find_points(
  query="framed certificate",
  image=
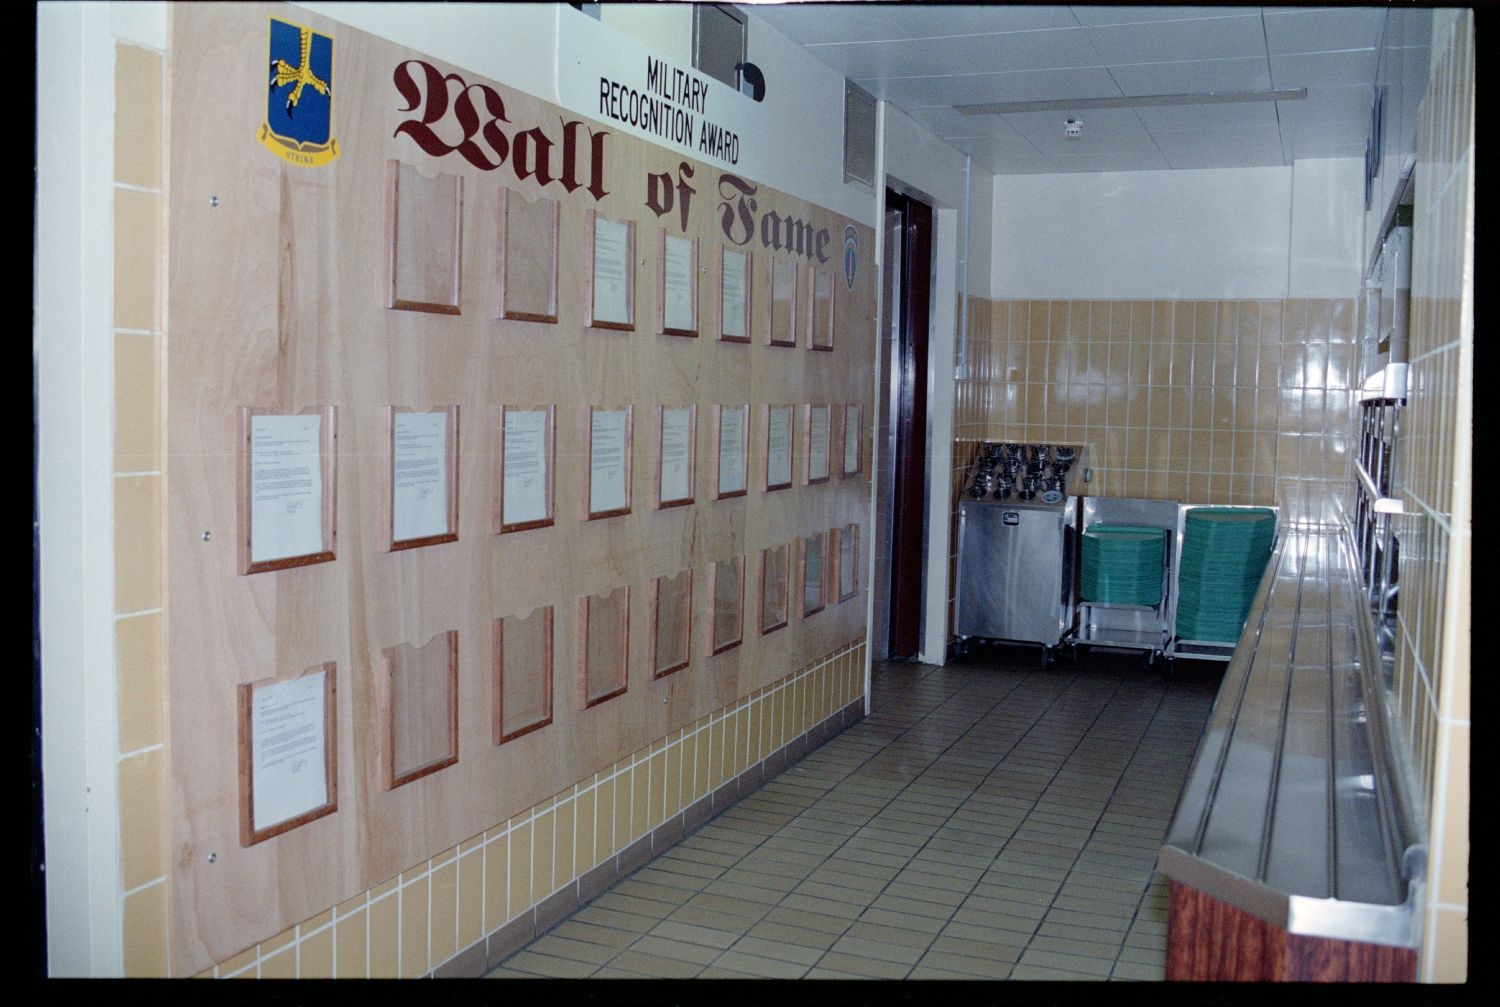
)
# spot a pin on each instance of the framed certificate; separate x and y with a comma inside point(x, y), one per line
point(419, 696)
point(677, 285)
point(288, 752)
point(676, 439)
point(854, 436)
point(778, 434)
point(810, 558)
point(421, 476)
point(603, 646)
point(287, 483)
point(735, 275)
point(609, 273)
point(781, 306)
point(671, 624)
point(525, 443)
point(606, 474)
point(731, 451)
point(526, 258)
point(820, 319)
point(523, 674)
point(815, 424)
point(775, 572)
point(424, 240)
point(726, 585)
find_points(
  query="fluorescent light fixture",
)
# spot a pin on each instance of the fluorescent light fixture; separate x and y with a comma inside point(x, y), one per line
point(1138, 101)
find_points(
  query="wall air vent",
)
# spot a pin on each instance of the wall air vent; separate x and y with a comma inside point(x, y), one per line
point(859, 135)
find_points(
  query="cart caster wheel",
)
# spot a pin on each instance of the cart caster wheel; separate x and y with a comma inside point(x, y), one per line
point(1166, 669)
point(1047, 657)
point(1072, 653)
point(1148, 659)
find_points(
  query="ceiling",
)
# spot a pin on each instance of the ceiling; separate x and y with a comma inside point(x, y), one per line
point(928, 58)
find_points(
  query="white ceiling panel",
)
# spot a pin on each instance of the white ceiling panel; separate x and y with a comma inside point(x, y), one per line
point(1325, 69)
point(912, 93)
point(878, 59)
point(1323, 29)
point(931, 20)
point(1089, 16)
point(1130, 160)
point(1042, 85)
point(1104, 129)
point(811, 23)
point(1164, 41)
point(945, 123)
point(1315, 134)
point(1248, 136)
point(1235, 115)
point(1193, 76)
point(1301, 151)
point(1328, 104)
point(1023, 50)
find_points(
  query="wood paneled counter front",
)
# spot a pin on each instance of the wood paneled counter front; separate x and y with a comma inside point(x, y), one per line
point(1293, 853)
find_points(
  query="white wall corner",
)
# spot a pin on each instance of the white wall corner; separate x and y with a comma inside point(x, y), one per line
point(941, 346)
point(1327, 228)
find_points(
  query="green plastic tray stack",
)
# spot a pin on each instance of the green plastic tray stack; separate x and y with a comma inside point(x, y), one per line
point(1122, 564)
point(1224, 554)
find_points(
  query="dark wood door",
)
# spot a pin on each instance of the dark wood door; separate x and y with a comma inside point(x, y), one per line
point(909, 372)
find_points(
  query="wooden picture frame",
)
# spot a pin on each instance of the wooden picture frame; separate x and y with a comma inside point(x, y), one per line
point(676, 473)
point(431, 226)
point(246, 696)
point(510, 648)
point(775, 582)
point(734, 281)
point(669, 648)
point(812, 571)
point(820, 320)
point(277, 510)
point(530, 447)
point(728, 447)
point(618, 271)
point(726, 609)
point(781, 303)
point(396, 455)
point(817, 441)
point(844, 552)
point(853, 461)
point(668, 293)
point(612, 647)
point(777, 473)
point(523, 224)
point(438, 658)
point(607, 498)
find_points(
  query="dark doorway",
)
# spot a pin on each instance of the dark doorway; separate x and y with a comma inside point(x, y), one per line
point(908, 498)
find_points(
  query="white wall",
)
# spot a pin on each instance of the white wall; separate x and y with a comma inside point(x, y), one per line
point(1205, 234)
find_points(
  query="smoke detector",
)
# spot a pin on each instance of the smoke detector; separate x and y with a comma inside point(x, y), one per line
point(1073, 128)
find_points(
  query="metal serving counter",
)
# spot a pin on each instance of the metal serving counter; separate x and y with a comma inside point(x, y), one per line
point(1291, 811)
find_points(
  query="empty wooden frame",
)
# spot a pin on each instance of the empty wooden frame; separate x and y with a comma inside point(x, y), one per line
point(670, 647)
point(810, 563)
point(526, 258)
point(854, 439)
point(816, 423)
point(606, 471)
point(676, 455)
point(781, 304)
point(421, 500)
point(726, 585)
point(609, 273)
point(731, 451)
point(526, 449)
point(287, 490)
point(820, 318)
point(735, 275)
point(523, 649)
point(603, 646)
point(676, 285)
point(288, 752)
point(419, 696)
point(775, 575)
point(777, 428)
point(844, 548)
point(424, 240)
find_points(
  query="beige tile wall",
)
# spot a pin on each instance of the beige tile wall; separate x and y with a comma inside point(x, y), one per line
point(1434, 478)
point(138, 335)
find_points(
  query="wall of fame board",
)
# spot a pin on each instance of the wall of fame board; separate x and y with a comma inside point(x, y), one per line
point(485, 425)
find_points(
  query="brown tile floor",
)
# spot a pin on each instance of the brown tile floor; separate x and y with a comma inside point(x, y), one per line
point(988, 820)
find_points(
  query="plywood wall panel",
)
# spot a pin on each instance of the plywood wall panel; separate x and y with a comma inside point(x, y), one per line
point(276, 300)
